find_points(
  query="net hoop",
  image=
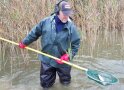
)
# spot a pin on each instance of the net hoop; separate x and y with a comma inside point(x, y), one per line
point(101, 77)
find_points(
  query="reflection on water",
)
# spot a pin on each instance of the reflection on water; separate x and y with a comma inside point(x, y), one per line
point(105, 55)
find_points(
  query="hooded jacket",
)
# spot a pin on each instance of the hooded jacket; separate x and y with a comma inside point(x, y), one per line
point(53, 43)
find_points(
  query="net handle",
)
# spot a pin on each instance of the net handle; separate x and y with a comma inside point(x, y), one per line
point(50, 56)
point(55, 58)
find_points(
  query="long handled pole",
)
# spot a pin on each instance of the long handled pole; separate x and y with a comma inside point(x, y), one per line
point(106, 79)
point(50, 56)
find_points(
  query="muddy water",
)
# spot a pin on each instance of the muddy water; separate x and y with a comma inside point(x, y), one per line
point(106, 55)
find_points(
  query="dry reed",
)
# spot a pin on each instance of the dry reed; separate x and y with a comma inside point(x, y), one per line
point(17, 17)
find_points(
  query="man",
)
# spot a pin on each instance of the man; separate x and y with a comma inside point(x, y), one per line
point(59, 38)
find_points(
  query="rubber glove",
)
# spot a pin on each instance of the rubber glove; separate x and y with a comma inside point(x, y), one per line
point(64, 57)
point(21, 45)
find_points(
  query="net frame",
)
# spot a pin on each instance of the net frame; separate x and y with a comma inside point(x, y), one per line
point(101, 77)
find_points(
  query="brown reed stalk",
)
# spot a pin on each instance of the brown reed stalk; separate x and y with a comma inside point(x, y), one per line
point(17, 17)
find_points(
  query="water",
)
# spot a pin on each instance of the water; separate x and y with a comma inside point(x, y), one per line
point(106, 55)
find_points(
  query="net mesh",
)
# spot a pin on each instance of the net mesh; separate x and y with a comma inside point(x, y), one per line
point(103, 78)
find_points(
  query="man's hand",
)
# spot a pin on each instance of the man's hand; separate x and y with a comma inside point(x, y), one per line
point(21, 45)
point(64, 57)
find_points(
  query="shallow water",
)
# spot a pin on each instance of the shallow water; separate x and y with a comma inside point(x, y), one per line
point(29, 80)
point(106, 57)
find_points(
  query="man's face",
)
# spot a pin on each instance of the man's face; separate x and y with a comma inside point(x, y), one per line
point(62, 17)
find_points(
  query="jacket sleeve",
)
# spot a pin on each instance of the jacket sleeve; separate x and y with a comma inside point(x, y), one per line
point(34, 34)
point(75, 40)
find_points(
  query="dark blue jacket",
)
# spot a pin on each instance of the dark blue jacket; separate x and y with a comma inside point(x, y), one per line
point(53, 43)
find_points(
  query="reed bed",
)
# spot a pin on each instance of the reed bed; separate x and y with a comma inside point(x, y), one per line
point(93, 17)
